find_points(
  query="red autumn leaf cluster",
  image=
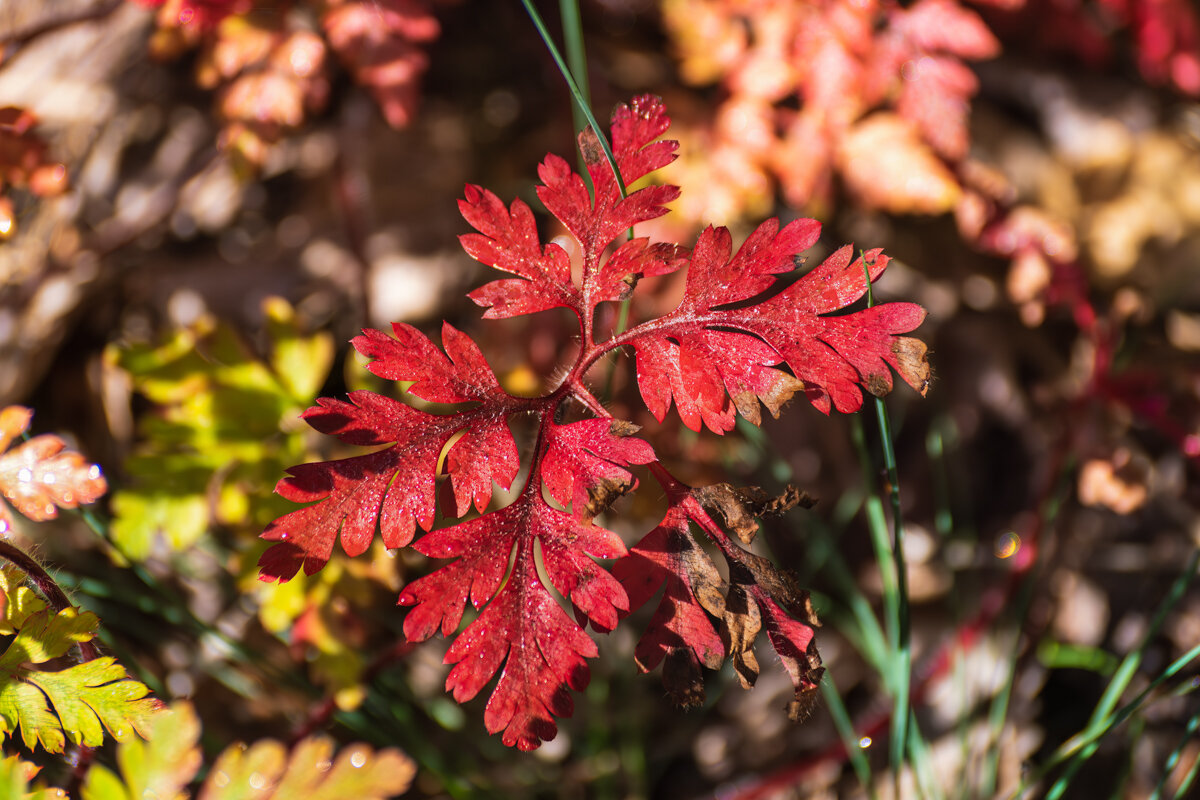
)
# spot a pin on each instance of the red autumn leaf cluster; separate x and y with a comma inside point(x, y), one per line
point(1164, 35)
point(23, 163)
point(271, 70)
point(729, 345)
point(852, 66)
point(874, 96)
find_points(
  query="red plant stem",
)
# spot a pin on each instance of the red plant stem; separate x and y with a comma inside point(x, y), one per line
point(56, 598)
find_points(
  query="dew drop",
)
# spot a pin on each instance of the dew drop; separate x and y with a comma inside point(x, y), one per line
point(24, 474)
point(323, 766)
point(94, 472)
point(283, 537)
point(48, 478)
point(864, 742)
point(257, 781)
point(221, 780)
point(1007, 545)
point(358, 758)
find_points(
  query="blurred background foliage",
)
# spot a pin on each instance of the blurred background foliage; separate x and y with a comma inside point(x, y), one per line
point(202, 202)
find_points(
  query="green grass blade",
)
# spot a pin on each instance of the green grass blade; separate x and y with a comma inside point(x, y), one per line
point(1102, 715)
point(579, 95)
point(1172, 760)
point(897, 603)
point(845, 729)
point(998, 710)
point(1082, 742)
point(1133, 660)
point(576, 59)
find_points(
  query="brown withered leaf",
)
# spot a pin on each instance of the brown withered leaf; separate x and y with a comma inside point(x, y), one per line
point(742, 623)
point(683, 679)
point(740, 505)
point(40, 476)
point(604, 494)
point(912, 356)
point(761, 596)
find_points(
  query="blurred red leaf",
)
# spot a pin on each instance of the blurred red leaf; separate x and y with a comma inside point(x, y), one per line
point(40, 476)
point(379, 41)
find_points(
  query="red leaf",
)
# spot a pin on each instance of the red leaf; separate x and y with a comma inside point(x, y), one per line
point(522, 624)
point(719, 353)
point(507, 239)
point(40, 476)
point(459, 375)
point(394, 489)
point(945, 26)
point(588, 454)
point(543, 653)
point(668, 555)
point(935, 96)
point(703, 350)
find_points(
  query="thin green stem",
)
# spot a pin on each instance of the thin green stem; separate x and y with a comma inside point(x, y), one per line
point(577, 61)
point(845, 729)
point(899, 612)
point(577, 94)
point(1173, 760)
point(998, 711)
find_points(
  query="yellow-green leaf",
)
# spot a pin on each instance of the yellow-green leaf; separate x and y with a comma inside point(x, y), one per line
point(74, 704)
point(311, 772)
point(97, 693)
point(19, 601)
point(160, 767)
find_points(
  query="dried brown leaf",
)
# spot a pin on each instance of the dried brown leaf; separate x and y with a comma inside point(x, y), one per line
point(739, 506)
